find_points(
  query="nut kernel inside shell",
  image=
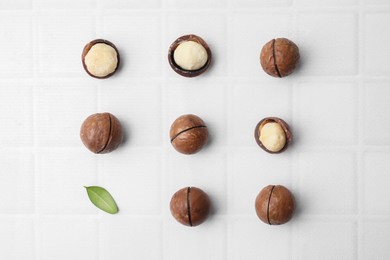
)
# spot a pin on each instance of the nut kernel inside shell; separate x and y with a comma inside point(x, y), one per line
point(190, 55)
point(101, 60)
point(272, 136)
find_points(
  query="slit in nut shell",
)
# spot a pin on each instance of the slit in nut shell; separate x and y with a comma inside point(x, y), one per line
point(189, 55)
point(273, 135)
point(100, 58)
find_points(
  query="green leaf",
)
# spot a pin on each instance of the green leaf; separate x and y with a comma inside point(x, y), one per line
point(102, 199)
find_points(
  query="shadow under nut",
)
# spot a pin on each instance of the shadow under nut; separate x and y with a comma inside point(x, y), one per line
point(101, 133)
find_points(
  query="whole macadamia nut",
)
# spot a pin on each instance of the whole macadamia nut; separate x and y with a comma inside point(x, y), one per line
point(190, 206)
point(188, 134)
point(275, 205)
point(189, 55)
point(100, 58)
point(279, 57)
point(273, 135)
point(101, 133)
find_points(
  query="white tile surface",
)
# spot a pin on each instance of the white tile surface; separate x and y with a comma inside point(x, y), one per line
point(326, 121)
point(376, 165)
point(62, 181)
point(17, 238)
point(131, 238)
point(17, 116)
point(17, 182)
point(68, 238)
point(248, 234)
point(327, 183)
point(17, 34)
point(327, 43)
point(376, 108)
point(327, 240)
point(336, 104)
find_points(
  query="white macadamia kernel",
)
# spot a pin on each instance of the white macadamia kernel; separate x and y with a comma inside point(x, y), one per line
point(101, 60)
point(190, 55)
point(273, 137)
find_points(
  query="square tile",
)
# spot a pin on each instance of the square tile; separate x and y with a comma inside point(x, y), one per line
point(376, 108)
point(139, 108)
point(247, 44)
point(17, 182)
point(17, 46)
point(63, 175)
point(17, 238)
point(61, 108)
point(15, 4)
point(376, 181)
point(327, 182)
point(134, 177)
point(328, 44)
point(260, 3)
point(206, 172)
point(327, 240)
point(131, 238)
point(129, 4)
point(252, 102)
point(196, 4)
point(206, 100)
point(376, 51)
point(59, 54)
point(198, 23)
point(326, 113)
point(206, 241)
point(139, 46)
point(374, 243)
point(16, 105)
point(252, 238)
point(252, 170)
point(69, 238)
point(69, 4)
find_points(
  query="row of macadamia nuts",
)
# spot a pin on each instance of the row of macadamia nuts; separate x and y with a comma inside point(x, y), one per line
point(190, 56)
point(102, 133)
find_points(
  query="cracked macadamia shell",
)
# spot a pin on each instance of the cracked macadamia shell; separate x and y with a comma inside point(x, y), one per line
point(190, 206)
point(275, 205)
point(100, 58)
point(279, 57)
point(188, 134)
point(189, 55)
point(101, 133)
point(266, 146)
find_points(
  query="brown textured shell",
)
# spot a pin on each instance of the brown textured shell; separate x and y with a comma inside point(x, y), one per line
point(275, 205)
point(190, 206)
point(177, 68)
point(101, 133)
point(279, 57)
point(188, 134)
point(86, 49)
point(284, 126)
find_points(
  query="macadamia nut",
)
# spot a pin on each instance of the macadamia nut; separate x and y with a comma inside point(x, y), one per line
point(190, 55)
point(101, 60)
point(273, 137)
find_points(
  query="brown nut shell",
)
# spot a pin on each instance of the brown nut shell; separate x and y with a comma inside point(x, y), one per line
point(188, 134)
point(279, 57)
point(101, 133)
point(86, 49)
point(284, 126)
point(275, 205)
point(190, 206)
point(177, 68)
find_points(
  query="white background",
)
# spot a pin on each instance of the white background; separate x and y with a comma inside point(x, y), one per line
point(337, 104)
